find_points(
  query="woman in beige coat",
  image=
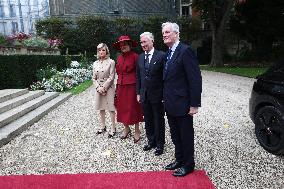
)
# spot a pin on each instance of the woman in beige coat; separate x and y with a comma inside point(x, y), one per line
point(103, 79)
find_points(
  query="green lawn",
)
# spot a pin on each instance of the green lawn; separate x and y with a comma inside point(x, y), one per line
point(246, 72)
point(80, 88)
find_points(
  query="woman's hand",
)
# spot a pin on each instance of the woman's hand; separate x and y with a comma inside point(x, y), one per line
point(101, 90)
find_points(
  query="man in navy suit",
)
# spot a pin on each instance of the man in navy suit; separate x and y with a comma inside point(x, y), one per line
point(149, 88)
point(182, 96)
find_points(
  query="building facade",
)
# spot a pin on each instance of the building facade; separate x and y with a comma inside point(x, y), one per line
point(129, 8)
point(21, 15)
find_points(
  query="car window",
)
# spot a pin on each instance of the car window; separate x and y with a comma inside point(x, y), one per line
point(279, 71)
point(275, 72)
point(276, 68)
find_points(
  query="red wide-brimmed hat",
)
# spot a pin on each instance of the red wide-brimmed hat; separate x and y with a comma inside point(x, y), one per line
point(124, 38)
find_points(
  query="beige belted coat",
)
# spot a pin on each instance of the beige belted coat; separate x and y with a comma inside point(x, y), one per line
point(103, 76)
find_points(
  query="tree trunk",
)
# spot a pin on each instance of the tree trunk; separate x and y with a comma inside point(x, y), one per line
point(218, 25)
point(217, 48)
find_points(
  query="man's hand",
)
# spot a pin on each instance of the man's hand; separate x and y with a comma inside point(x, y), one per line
point(138, 98)
point(193, 110)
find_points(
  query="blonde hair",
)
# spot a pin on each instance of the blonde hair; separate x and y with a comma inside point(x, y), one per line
point(100, 46)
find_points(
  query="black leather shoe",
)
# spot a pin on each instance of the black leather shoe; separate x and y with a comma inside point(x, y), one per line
point(100, 131)
point(148, 147)
point(136, 139)
point(173, 166)
point(125, 136)
point(159, 151)
point(111, 134)
point(181, 172)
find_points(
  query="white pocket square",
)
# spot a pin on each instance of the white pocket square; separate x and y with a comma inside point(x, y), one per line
point(154, 62)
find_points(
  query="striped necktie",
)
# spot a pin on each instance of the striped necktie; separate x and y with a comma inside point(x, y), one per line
point(169, 53)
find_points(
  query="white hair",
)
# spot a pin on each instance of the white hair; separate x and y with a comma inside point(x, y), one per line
point(174, 26)
point(149, 35)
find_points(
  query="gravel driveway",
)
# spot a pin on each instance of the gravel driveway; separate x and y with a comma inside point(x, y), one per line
point(64, 141)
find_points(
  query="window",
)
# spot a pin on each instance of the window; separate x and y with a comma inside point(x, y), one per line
point(12, 10)
point(110, 4)
point(3, 28)
point(184, 10)
point(113, 6)
point(15, 27)
point(2, 11)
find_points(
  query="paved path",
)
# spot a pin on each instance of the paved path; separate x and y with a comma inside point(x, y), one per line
point(64, 141)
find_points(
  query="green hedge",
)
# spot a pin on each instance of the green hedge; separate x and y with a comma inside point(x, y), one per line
point(19, 71)
point(86, 32)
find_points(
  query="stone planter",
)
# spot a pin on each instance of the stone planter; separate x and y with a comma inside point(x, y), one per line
point(8, 50)
point(43, 51)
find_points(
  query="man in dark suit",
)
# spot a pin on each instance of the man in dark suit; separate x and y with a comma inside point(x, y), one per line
point(149, 88)
point(182, 96)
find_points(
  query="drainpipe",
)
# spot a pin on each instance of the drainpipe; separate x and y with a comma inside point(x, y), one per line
point(21, 16)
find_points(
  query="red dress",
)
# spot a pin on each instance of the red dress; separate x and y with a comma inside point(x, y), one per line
point(129, 111)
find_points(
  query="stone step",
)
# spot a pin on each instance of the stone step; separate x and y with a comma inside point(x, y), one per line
point(19, 111)
point(11, 130)
point(7, 94)
point(17, 101)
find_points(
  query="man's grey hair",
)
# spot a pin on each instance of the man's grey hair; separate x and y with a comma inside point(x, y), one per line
point(149, 35)
point(174, 26)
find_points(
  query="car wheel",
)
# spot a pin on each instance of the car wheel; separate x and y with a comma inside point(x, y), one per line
point(269, 129)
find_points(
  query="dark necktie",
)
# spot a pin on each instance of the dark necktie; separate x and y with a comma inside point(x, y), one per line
point(168, 59)
point(147, 61)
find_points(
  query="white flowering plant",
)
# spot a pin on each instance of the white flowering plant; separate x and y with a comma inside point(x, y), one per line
point(36, 42)
point(74, 64)
point(37, 86)
point(46, 73)
point(64, 80)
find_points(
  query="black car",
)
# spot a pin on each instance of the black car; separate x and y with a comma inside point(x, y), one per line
point(266, 108)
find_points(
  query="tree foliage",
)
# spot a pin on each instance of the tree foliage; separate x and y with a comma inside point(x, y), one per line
point(154, 25)
point(92, 31)
point(125, 26)
point(52, 27)
point(260, 22)
point(189, 28)
point(85, 33)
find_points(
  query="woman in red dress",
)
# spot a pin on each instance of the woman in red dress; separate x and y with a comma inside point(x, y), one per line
point(129, 111)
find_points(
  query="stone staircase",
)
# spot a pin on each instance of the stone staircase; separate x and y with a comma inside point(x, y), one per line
point(20, 108)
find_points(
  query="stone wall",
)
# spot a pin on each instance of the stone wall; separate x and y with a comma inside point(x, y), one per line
point(5, 50)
